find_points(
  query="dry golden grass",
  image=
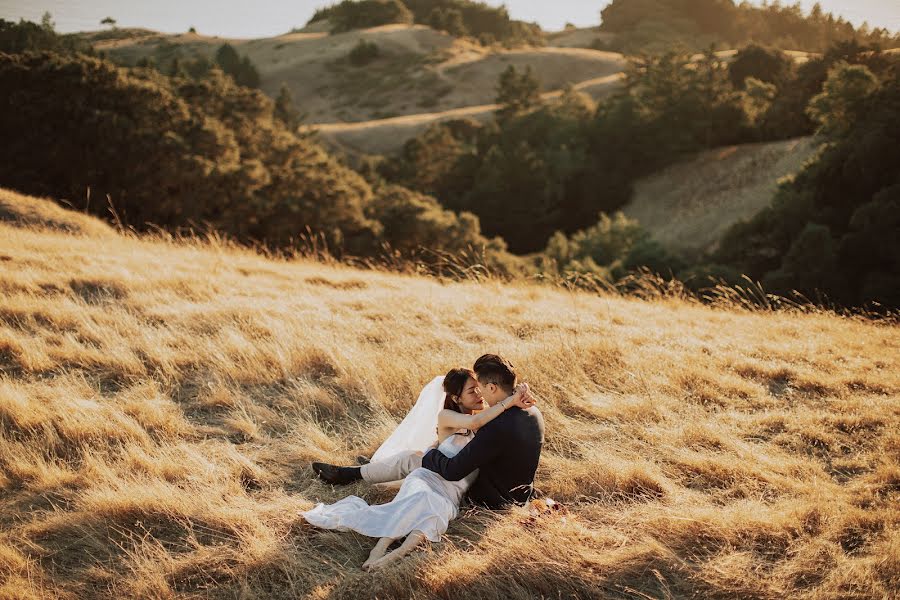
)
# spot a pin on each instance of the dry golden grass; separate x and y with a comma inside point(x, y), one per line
point(160, 403)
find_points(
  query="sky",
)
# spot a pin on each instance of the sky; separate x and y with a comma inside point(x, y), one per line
point(265, 18)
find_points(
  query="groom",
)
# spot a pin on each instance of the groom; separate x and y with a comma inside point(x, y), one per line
point(506, 450)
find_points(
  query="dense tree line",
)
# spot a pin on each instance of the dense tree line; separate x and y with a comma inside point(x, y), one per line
point(542, 167)
point(25, 35)
point(460, 18)
point(835, 228)
point(658, 25)
point(172, 60)
point(542, 172)
point(177, 152)
point(360, 14)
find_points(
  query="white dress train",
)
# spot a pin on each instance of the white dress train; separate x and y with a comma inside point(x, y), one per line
point(426, 502)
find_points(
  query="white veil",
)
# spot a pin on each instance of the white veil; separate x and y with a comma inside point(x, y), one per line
point(418, 430)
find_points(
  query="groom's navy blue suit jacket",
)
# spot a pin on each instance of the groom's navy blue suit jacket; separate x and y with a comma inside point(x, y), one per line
point(506, 451)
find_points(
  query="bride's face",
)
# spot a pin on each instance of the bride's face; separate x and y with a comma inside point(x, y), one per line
point(471, 398)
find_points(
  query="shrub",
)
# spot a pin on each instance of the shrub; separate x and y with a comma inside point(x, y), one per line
point(764, 64)
point(363, 53)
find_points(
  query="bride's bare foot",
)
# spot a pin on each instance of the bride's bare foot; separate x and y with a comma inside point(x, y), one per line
point(412, 540)
point(377, 552)
point(382, 562)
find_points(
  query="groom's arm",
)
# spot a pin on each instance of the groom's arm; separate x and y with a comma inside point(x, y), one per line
point(482, 449)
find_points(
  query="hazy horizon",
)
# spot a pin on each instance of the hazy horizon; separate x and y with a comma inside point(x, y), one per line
point(266, 18)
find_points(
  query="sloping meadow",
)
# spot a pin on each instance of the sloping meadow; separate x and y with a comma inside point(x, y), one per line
point(160, 404)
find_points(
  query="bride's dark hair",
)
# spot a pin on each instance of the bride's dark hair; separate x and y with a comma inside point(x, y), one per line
point(454, 382)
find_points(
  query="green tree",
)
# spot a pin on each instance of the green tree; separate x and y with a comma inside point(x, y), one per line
point(836, 108)
point(285, 109)
point(26, 36)
point(109, 21)
point(810, 264)
point(247, 74)
point(449, 20)
point(517, 92)
point(228, 59)
point(832, 228)
point(47, 23)
point(362, 14)
point(363, 53)
point(238, 68)
point(872, 247)
point(758, 96)
point(768, 65)
point(596, 249)
point(173, 152)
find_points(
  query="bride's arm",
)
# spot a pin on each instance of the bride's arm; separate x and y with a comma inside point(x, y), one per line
point(452, 419)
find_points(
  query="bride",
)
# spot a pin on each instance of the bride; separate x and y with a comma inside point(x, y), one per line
point(426, 502)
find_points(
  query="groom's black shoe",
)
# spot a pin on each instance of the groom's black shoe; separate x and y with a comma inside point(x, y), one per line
point(336, 475)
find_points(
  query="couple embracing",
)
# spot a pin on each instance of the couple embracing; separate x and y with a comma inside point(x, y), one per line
point(442, 451)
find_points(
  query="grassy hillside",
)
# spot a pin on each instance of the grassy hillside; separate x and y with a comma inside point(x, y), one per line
point(688, 206)
point(418, 69)
point(160, 403)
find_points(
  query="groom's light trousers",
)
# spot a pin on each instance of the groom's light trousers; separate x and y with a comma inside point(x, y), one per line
point(392, 468)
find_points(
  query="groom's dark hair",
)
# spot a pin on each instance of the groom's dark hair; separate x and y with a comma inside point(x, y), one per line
point(491, 368)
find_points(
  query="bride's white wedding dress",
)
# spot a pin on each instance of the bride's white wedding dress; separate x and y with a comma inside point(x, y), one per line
point(426, 502)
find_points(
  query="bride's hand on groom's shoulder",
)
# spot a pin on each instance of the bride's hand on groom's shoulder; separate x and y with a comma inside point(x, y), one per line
point(522, 396)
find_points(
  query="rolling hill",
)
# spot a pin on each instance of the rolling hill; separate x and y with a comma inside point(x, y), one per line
point(418, 69)
point(420, 77)
point(689, 205)
point(161, 400)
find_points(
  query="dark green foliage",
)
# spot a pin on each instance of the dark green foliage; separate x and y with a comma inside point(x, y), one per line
point(485, 23)
point(649, 254)
point(539, 169)
point(171, 153)
point(517, 92)
point(834, 228)
point(810, 264)
point(239, 68)
point(413, 221)
point(837, 108)
point(363, 53)
point(525, 178)
point(449, 20)
point(247, 75)
point(26, 36)
point(228, 59)
point(182, 153)
point(872, 245)
point(765, 64)
point(687, 105)
point(657, 25)
point(787, 117)
point(362, 14)
point(285, 109)
point(596, 249)
point(428, 162)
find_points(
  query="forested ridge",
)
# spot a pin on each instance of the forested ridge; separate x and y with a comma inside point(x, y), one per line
point(659, 25)
point(461, 18)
